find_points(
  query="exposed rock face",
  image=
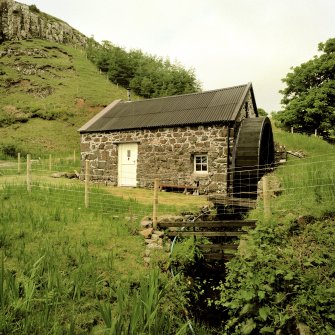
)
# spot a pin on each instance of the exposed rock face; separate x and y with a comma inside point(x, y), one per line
point(19, 21)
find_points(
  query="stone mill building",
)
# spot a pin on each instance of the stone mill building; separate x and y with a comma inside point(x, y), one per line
point(208, 142)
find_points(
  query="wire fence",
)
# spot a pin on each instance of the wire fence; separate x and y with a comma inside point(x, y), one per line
point(313, 133)
point(302, 183)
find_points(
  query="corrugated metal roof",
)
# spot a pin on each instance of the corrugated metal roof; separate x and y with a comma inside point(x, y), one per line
point(189, 109)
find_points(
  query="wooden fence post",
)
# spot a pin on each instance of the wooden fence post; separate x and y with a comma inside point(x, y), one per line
point(19, 163)
point(29, 173)
point(316, 132)
point(292, 130)
point(155, 203)
point(87, 177)
point(266, 198)
point(50, 162)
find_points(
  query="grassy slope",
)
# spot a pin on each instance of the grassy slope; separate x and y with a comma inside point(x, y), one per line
point(55, 88)
point(308, 182)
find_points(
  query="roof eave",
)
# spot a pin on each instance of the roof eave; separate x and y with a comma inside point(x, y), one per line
point(181, 125)
point(253, 100)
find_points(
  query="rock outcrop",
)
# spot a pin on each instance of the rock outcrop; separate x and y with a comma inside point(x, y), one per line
point(19, 21)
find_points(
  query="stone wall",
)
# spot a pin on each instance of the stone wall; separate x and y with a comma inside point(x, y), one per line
point(166, 153)
point(19, 21)
point(247, 110)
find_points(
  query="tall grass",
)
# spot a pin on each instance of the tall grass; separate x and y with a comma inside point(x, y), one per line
point(311, 145)
point(143, 311)
point(58, 262)
point(65, 269)
point(308, 183)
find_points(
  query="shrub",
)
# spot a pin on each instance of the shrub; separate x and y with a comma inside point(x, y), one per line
point(50, 114)
point(34, 9)
point(282, 280)
point(11, 149)
point(10, 115)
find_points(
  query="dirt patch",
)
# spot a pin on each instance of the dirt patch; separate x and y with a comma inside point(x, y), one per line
point(80, 102)
point(9, 83)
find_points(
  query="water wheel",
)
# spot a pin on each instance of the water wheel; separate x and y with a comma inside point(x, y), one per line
point(253, 154)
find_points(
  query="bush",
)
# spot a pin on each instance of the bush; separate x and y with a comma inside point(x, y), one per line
point(282, 280)
point(10, 115)
point(34, 9)
point(11, 150)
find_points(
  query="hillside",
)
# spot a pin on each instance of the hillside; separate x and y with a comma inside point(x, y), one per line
point(50, 86)
point(47, 91)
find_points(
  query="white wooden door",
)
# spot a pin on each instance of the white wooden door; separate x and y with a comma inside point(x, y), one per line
point(127, 164)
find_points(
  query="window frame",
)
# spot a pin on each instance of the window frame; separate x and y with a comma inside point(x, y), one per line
point(201, 163)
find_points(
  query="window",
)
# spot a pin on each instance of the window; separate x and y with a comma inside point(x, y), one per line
point(200, 163)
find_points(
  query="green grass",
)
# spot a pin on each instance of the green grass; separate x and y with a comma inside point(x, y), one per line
point(61, 258)
point(48, 91)
point(310, 145)
point(67, 269)
point(308, 183)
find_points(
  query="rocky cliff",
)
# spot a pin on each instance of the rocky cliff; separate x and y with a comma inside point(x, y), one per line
point(19, 21)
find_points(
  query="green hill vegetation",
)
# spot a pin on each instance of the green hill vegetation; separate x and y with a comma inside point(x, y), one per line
point(48, 90)
point(146, 75)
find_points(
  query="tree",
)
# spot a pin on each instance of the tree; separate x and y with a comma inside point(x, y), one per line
point(147, 75)
point(309, 96)
point(261, 112)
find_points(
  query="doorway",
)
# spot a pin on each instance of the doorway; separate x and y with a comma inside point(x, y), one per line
point(127, 164)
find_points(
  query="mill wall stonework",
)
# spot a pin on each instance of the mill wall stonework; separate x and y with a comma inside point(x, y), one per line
point(164, 153)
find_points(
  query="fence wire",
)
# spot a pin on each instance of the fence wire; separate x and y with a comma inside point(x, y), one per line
point(301, 182)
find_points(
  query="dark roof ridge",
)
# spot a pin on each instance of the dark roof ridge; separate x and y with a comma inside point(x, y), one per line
point(154, 113)
point(189, 94)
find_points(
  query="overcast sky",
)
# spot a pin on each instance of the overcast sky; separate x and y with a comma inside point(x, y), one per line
point(226, 42)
